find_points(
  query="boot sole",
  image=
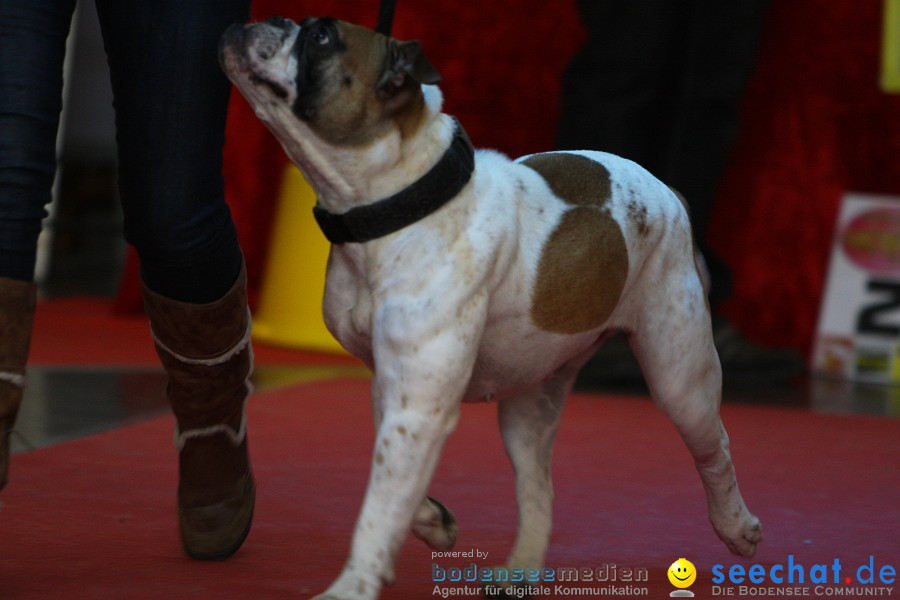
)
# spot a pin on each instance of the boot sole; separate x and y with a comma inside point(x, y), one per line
point(229, 550)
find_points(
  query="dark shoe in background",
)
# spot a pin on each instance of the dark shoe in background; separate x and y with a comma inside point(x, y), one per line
point(612, 365)
point(743, 362)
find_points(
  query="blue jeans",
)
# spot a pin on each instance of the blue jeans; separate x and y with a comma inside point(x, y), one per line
point(170, 100)
point(660, 82)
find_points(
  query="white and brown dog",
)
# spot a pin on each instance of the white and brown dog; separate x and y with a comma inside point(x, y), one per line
point(464, 276)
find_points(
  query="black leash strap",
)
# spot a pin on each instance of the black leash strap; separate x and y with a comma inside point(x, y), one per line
point(385, 17)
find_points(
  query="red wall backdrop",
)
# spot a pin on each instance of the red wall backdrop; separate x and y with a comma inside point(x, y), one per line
point(815, 125)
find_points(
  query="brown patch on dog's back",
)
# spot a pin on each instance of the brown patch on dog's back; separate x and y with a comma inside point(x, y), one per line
point(581, 274)
point(574, 178)
point(584, 262)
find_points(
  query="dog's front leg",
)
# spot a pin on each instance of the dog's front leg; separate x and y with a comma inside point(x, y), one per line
point(433, 522)
point(422, 370)
point(407, 448)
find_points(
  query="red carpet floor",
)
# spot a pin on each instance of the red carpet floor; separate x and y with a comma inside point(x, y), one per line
point(95, 518)
point(86, 331)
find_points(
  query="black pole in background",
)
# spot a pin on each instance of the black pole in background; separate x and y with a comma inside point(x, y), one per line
point(385, 17)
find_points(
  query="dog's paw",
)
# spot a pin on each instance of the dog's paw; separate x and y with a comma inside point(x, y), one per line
point(435, 525)
point(741, 532)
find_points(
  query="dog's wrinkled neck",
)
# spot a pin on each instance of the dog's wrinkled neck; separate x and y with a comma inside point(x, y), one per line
point(345, 177)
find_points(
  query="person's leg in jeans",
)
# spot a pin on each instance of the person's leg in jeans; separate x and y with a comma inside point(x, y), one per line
point(171, 100)
point(660, 82)
point(721, 45)
point(32, 49)
point(618, 91)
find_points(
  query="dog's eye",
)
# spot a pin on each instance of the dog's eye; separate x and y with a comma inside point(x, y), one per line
point(321, 37)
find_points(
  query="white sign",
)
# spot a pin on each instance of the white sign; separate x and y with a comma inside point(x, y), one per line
point(859, 323)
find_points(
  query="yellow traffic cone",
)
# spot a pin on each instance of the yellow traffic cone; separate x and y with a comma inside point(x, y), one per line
point(890, 48)
point(289, 309)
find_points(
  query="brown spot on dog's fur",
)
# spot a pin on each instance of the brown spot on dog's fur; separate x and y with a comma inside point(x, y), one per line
point(575, 178)
point(584, 262)
point(581, 273)
point(637, 214)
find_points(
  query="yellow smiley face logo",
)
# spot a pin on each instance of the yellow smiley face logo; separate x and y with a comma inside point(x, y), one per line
point(682, 573)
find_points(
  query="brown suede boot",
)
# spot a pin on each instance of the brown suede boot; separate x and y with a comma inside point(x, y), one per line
point(17, 300)
point(206, 351)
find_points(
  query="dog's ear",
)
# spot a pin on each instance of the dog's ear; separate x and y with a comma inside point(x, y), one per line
point(406, 59)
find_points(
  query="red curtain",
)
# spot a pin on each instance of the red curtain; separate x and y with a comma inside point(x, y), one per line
point(816, 125)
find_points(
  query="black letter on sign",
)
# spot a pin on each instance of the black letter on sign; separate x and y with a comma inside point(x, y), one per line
point(868, 321)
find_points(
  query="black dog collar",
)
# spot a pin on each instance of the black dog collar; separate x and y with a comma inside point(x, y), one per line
point(437, 187)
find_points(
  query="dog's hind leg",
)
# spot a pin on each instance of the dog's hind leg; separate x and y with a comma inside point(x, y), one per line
point(674, 345)
point(528, 425)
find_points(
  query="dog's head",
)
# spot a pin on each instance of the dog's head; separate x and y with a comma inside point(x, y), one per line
point(344, 82)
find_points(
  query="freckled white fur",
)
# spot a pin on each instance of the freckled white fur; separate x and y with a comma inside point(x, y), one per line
point(441, 311)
